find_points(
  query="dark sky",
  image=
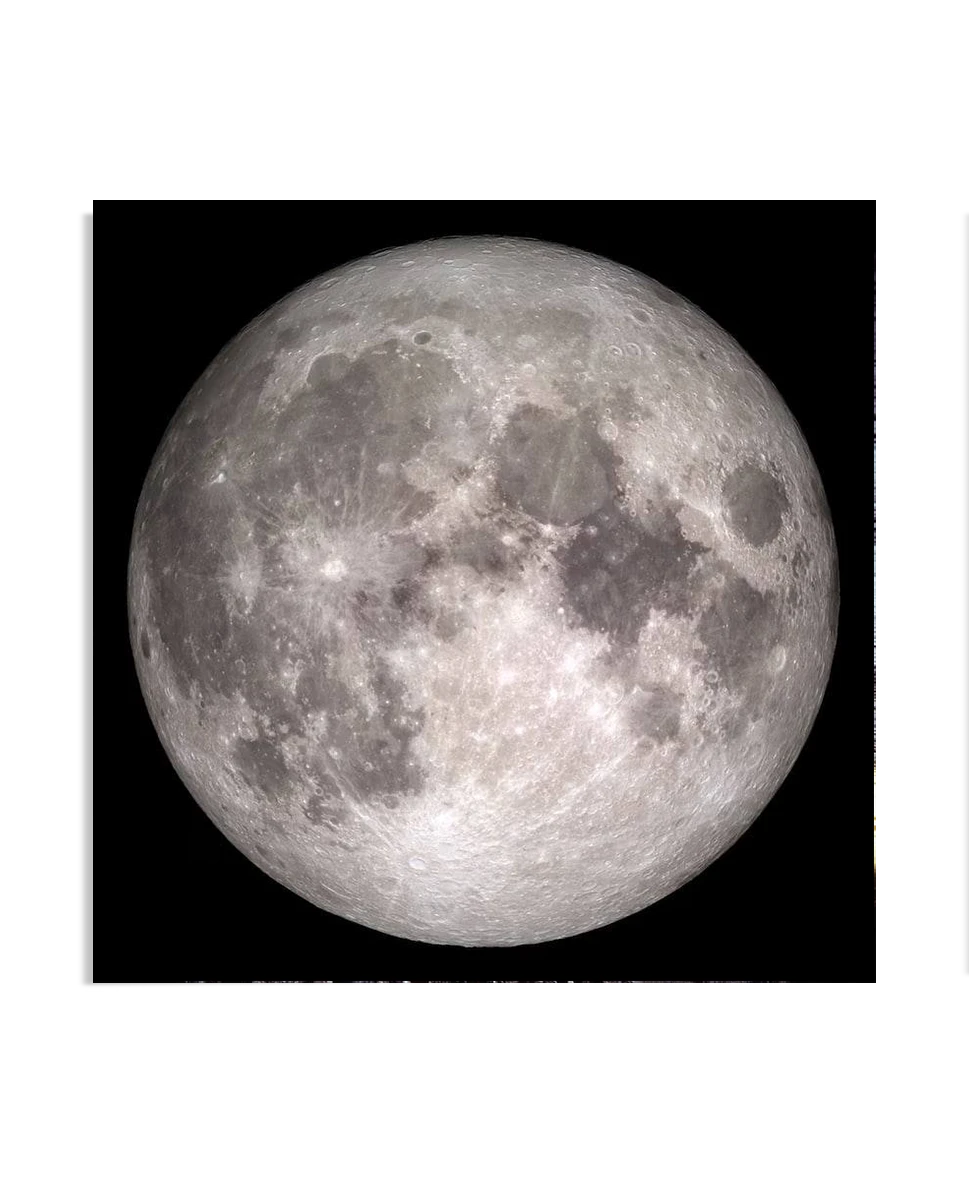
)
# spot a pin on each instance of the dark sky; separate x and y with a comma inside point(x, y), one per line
point(792, 900)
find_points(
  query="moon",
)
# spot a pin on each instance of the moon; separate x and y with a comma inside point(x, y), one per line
point(483, 591)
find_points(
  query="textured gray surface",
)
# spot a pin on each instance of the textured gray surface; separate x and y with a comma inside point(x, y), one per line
point(483, 591)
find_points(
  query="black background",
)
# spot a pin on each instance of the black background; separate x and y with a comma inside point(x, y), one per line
point(793, 899)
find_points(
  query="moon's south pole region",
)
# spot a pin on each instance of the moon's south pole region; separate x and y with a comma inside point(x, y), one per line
point(483, 591)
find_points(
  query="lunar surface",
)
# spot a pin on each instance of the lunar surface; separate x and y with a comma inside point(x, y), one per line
point(483, 591)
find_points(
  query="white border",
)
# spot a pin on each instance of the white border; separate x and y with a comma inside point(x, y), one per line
point(565, 1090)
point(922, 612)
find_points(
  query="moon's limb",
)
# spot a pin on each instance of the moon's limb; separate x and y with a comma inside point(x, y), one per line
point(483, 591)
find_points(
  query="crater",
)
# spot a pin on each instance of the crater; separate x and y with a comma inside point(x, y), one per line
point(327, 369)
point(667, 295)
point(325, 809)
point(262, 765)
point(754, 504)
point(801, 560)
point(421, 339)
point(189, 612)
point(145, 644)
point(555, 469)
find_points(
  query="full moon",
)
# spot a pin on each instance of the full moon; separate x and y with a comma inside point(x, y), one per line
point(483, 591)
